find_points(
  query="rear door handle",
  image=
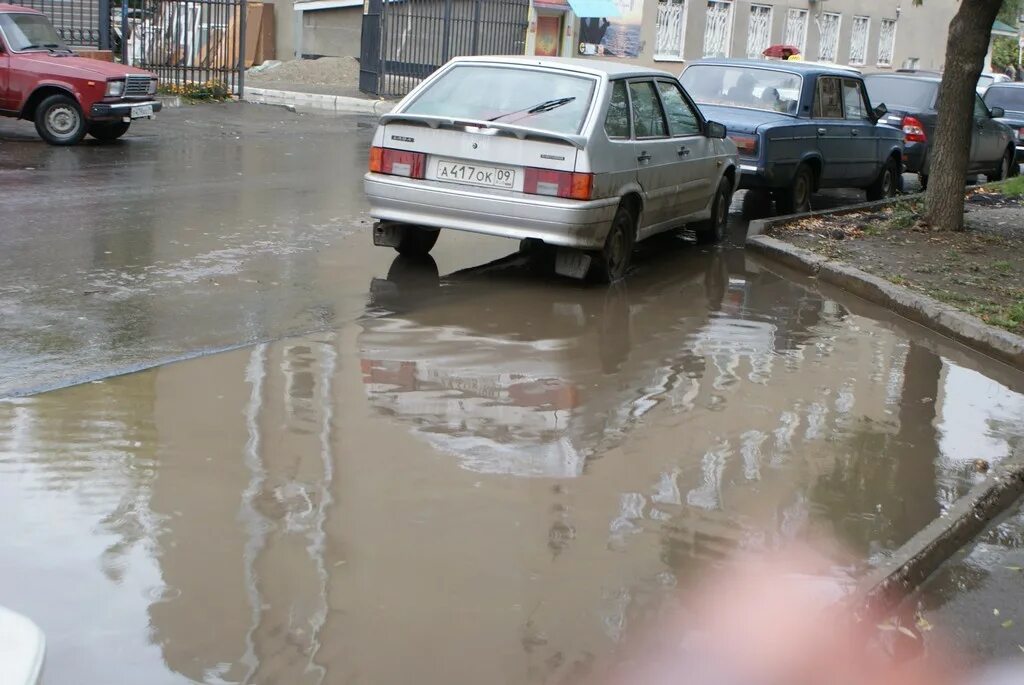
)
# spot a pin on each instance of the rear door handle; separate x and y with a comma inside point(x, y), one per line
point(822, 131)
point(644, 157)
point(854, 132)
point(683, 151)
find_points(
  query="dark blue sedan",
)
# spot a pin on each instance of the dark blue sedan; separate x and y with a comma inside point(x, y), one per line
point(799, 127)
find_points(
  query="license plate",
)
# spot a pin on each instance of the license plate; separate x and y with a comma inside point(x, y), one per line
point(140, 111)
point(475, 174)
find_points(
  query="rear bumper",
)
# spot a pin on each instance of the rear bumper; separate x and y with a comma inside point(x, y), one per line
point(915, 157)
point(119, 110)
point(556, 221)
point(1019, 157)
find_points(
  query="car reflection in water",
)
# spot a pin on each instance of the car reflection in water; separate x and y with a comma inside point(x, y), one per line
point(517, 374)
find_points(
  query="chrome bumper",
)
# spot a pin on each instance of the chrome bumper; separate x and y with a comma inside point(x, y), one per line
point(556, 221)
point(106, 110)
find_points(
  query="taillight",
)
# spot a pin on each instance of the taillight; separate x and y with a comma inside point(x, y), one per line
point(747, 145)
point(913, 130)
point(565, 184)
point(397, 162)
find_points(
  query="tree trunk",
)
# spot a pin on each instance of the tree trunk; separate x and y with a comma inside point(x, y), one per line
point(969, 36)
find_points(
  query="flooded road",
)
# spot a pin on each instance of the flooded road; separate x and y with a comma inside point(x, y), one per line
point(468, 472)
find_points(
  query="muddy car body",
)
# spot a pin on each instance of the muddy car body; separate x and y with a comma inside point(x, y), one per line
point(67, 96)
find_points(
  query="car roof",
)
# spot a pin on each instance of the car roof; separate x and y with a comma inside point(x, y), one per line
point(794, 66)
point(7, 9)
point(907, 75)
point(1007, 85)
point(593, 67)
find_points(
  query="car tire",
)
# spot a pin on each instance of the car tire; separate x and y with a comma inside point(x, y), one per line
point(796, 199)
point(610, 263)
point(923, 179)
point(887, 184)
point(108, 131)
point(712, 231)
point(1005, 168)
point(417, 241)
point(59, 120)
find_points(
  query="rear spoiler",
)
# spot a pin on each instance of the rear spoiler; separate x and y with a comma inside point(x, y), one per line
point(520, 132)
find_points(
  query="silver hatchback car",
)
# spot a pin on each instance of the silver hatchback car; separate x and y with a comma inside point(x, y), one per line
point(588, 156)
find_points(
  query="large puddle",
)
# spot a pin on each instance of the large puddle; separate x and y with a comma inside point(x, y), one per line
point(490, 477)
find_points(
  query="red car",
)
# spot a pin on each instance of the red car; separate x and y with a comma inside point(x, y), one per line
point(66, 96)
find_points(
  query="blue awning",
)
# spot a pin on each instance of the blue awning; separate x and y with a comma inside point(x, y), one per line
point(594, 8)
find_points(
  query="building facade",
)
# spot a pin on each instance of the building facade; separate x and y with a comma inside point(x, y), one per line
point(872, 35)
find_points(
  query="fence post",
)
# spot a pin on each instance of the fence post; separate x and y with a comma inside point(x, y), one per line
point(445, 45)
point(369, 48)
point(244, 16)
point(104, 24)
point(476, 27)
point(124, 31)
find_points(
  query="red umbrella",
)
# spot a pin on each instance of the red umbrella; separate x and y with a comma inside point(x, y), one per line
point(781, 51)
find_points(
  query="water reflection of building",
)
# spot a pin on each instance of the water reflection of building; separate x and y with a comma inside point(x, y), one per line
point(246, 558)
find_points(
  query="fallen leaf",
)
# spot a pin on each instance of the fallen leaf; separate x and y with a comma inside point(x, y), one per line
point(923, 624)
point(995, 612)
point(908, 632)
point(1015, 568)
point(886, 626)
point(1008, 623)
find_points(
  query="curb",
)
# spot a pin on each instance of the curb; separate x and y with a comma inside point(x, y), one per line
point(881, 590)
point(959, 326)
point(169, 101)
point(330, 103)
point(761, 226)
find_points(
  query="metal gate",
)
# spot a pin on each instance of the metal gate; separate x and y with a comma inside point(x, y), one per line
point(189, 42)
point(404, 42)
point(79, 23)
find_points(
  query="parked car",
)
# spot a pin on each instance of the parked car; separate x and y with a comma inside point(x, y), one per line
point(912, 103)
point(67, 96)
point(585, 155)
point(985, 81)
point(1009, 97)
point(22, 649)
point(799, 127)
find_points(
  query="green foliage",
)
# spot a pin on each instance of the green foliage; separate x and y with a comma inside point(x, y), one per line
point(1004, 52)
point(1010, 11)
point(211, 90)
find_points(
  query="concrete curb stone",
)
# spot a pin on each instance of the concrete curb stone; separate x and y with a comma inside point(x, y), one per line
point(881, 590)
point(945, 319)
point(340, 104)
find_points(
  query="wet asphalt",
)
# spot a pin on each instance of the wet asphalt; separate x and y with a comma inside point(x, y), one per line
point(376, 470)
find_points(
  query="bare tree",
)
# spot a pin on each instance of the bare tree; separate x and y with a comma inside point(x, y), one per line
point(969, 36)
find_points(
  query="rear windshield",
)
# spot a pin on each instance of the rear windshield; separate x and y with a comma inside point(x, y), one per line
point(986, 81)
point(776, 91)
point(901, 93)
point(1010, 99)
point(30, 32)
point(559, 101)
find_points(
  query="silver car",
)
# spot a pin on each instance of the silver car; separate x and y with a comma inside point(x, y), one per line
point(588, 156)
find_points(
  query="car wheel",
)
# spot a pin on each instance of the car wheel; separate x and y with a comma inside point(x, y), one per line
point(611, 262)
point(59, 120)
point(712, 231)
point(417, 241)
point(797, 198)
point(887, 183)
point(1002, 171)
point(923, 179)
point(108, 131)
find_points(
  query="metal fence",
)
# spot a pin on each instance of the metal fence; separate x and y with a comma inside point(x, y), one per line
point(80, 23)
point(404, 42)
point(198, 43)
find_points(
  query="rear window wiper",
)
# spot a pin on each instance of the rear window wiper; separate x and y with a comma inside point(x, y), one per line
point(545, 106)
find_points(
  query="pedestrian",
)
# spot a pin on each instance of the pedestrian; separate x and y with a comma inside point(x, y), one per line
point(1010, 72)
point(1020, 72)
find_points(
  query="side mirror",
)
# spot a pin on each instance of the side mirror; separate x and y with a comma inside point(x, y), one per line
point(880, 111)
point(997, 112)
point(713, 129)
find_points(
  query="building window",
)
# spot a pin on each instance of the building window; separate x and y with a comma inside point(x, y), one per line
point(886, 42)
point(718, 30)
point(796, 29)
point(829, 26)
point(671, 29)
point(859, 41)
point(759, 30)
